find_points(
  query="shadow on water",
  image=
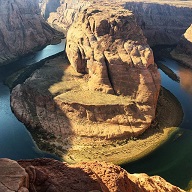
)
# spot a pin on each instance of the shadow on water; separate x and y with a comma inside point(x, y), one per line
point(15, 141)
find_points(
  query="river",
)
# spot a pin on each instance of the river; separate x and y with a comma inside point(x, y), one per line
point(172, 160)
point(15, 140)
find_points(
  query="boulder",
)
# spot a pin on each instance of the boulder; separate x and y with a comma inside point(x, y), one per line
point(13, 177)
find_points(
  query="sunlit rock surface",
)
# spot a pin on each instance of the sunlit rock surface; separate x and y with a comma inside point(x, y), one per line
point(66, 13)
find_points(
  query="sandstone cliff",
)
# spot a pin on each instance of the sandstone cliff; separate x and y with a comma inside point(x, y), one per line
point(48, 6)
point(49, 175)
point(183, 51)
point(162, 23)
point(66, 13)
point(22, 29)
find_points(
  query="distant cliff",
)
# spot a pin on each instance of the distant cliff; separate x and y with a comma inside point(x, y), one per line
point(22, 29)
point(48, 6)
point(66, 14)
point(162, 24)
point(109, 91)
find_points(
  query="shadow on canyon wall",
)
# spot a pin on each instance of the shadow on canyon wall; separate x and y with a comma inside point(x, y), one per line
point(161, 23)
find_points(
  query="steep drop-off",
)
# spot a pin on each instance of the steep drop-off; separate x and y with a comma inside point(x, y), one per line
point(49, 175)
point(22, 29)
point(162, 24)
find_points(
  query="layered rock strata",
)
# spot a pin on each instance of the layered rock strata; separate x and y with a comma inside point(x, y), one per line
point(183, 51)
point(66, 13)
point(162, 24)
point(22, 29)
point(50, 175)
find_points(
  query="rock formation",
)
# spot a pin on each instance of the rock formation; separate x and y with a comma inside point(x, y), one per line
point(161, 23)
point(66, 13)
point(118, 96)
point(22, 29)
point(183, 51)
point(48, 6)
point(49, 175)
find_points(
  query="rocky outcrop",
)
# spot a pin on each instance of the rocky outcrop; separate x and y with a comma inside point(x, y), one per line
point(183, 51)
point(161, 23)
point(118, 96)
point(66, 13)
point(51, 175)
point(22, 29)
point(13, 178)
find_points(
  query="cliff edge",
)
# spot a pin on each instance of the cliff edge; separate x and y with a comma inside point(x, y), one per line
point(40, 175)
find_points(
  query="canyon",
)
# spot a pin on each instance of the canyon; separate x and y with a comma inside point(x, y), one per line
point(109, 90)
point(106, 93)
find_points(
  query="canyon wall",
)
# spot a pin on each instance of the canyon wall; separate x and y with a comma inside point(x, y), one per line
point(162, 24)
point(22, 29)
point(48, 6)
point(66, 13)
point(49, 175)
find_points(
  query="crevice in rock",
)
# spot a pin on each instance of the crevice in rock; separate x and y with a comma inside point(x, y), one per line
point(109, 74)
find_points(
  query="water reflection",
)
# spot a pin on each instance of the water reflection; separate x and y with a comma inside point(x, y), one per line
point(186, 79)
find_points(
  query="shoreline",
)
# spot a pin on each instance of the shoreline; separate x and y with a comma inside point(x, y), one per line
point(79, 149)
point(184, 59)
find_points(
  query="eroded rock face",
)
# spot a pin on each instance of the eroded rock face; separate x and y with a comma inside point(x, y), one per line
point(66, 13)
point(52, 175)
point(161, 23)
point(22, 29)
point(48, 6)
point(13, 177)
